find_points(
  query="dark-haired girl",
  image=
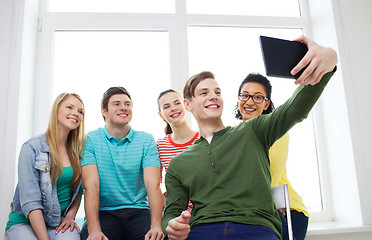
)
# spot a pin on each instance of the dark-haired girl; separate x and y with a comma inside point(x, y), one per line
point(179, 135)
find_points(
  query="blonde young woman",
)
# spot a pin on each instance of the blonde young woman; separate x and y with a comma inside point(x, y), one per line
point(48, 194)
point(179, 135)
point(254, 99)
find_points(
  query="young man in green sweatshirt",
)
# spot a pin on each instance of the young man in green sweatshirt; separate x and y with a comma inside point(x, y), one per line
point(226, 173)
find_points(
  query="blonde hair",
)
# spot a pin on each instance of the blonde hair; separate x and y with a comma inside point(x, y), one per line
point(74, 144)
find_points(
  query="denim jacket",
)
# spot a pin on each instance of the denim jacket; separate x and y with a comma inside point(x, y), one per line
point(35, 189)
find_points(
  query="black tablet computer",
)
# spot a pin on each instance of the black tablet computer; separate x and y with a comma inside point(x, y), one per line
point(281, 56)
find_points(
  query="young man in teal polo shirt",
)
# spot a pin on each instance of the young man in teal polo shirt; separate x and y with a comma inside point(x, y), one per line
point(120, 174)
point(226, 173)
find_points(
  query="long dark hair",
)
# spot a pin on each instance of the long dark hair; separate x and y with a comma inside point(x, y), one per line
point(167, 129)
point(256, 78)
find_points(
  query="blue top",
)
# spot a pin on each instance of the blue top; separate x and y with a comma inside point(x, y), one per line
point(35, 189)
point(120, 166)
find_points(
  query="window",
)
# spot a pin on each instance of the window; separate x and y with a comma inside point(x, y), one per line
point(88, 63)
point(147, 50)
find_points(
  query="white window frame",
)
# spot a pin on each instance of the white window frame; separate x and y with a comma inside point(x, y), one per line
point(341, 130)
point(176, 25)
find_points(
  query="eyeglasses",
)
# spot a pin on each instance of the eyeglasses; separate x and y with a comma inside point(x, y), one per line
point(256, 98)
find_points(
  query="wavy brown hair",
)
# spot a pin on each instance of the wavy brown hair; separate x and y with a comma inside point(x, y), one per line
point(74, 144)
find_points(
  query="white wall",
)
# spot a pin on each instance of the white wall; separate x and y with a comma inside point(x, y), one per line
point(11, 18)
point(353, 22)
point(18, 28)
point(335, 146)
point(356, 19)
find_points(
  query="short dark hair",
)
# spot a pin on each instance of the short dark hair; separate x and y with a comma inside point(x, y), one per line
point(189, 89)
point(111, 92)
point(260, 79)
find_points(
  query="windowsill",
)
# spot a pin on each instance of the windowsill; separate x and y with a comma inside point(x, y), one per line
point(324, 228)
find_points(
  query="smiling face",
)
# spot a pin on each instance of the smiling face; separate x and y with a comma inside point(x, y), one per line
point(119, 110)
point(207, 103)
point(70, 113)
point(249, 109)
point(171, 108)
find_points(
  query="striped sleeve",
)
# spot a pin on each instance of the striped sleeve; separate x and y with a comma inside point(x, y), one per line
point(166, 152)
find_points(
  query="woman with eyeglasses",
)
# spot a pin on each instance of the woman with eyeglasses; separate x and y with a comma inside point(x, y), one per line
point(48, 193)
point(254, 99)
point(179, 135)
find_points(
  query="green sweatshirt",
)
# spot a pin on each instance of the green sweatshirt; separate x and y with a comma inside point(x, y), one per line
point(229, 179)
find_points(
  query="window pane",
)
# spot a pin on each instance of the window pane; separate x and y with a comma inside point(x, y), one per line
point(284, 8)
point(233, 53)
point(138, 6)
point(88, 63)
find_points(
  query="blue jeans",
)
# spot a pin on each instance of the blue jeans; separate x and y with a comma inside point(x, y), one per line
point(25, 231)
point(299, 225)
point(231, 231)
point(122, 224)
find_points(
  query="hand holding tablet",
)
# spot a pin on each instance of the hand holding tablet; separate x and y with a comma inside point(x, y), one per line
point(308, 60)
point(281, 56)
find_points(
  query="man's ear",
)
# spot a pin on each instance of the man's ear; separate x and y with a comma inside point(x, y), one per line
point(187, 104)
point(104, 113)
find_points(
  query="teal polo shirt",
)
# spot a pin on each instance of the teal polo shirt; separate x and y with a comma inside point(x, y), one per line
point(120, 166)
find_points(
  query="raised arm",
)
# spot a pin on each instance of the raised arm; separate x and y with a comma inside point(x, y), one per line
point(321, 63)
point(152, 183)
